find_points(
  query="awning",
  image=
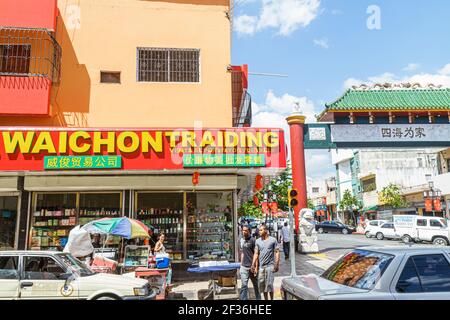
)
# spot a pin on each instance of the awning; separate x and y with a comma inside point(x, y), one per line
point(370, 209)
point(133, 182)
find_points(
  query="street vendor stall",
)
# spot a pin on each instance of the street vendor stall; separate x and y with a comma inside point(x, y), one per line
point(226, 275)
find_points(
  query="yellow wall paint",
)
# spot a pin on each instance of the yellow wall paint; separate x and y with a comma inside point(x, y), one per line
point(105, 36)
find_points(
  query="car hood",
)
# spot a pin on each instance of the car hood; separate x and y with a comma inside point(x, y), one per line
point(112, 281)
point(312, 287)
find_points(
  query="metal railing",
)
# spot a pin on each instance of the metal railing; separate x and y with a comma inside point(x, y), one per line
point(245, 117)
point(29, 53)
point(242, 101)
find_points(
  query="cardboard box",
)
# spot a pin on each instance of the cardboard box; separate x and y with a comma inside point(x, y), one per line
point(227, 281)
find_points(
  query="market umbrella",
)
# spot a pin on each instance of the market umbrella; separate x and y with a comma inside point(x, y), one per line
point(122, 227)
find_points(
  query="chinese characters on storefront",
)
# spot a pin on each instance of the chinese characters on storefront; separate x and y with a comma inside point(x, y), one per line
point(154, 149)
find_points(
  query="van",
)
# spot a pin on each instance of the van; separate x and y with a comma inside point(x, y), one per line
point(420, 228)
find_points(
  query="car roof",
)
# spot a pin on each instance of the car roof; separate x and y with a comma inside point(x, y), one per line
point(28, 252)
point(397, 250)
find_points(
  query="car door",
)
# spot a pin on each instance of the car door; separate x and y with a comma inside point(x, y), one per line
point(423, 230)
point(43, 278)
point(423, 277)
point(326, 226)
point(9, 277)
point(388, 230)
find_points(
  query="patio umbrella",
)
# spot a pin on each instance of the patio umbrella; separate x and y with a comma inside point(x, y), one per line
point(122, 227)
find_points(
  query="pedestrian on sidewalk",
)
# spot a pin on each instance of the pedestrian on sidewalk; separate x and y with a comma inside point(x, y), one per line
point(247, 271)
point(285, 237)
point(267, 261)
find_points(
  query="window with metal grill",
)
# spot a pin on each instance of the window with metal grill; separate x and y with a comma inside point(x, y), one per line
point(15, 59)
point(168, 65)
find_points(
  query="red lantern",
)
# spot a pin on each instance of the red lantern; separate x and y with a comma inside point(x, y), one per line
point(259, 182)
point(428, 205)
point(274, 207)
point(255, 200)
point(195, 178)
point(437, 204)
point(265, 207)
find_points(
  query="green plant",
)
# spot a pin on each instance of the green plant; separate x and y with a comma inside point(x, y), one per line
point(248, 209)
point(349, 202)
point(390, 196)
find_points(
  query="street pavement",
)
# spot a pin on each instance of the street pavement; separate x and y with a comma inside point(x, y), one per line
point(331, 247)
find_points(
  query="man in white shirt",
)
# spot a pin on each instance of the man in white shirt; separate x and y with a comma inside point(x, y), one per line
point(285, 237)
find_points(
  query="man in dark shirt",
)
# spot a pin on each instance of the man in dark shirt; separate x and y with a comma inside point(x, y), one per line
point(247, 272)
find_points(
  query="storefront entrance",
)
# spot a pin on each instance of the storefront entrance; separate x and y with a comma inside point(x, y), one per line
point(8, 221)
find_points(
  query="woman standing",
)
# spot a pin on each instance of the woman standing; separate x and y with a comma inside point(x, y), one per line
point(159, 247)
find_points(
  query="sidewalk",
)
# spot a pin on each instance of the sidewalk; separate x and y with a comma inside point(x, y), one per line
point(305, 264)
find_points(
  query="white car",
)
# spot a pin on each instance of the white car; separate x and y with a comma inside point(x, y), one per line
point(385, 231)
point(371, 225)
point(387, 273)
point(31, 275)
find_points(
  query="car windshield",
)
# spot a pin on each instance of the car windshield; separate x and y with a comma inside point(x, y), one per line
point(444, 222)
point(359, 269)
point(76, 265)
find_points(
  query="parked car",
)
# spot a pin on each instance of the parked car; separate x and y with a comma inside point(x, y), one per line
point(388, 273)
point(386, 230)
point(333, 227)
point(371, 225)
point(30, 275)
point(420, 228)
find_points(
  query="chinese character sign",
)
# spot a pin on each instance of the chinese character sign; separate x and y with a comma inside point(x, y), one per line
point(367, 133)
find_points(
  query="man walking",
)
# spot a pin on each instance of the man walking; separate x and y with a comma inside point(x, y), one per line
point(267, 261)
point(286, 239)
point(247, 271)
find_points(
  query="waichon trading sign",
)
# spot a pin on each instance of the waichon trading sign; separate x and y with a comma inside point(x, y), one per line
point(38, 149)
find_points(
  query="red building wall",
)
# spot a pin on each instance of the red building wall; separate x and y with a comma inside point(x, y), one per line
point(28, 13)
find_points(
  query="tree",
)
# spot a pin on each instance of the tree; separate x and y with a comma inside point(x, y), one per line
point(311, 204)
point(249, 209)
point(390, 196)
point(349, 202)
point(278, 187)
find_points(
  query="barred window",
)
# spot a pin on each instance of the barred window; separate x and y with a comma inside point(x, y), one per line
point(15, 59)
point(168, 65)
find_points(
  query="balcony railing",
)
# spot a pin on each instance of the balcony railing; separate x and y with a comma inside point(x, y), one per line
point(242, 100)
point(29, 53)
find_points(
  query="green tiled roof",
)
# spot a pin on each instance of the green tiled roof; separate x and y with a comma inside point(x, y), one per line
point(390, 99)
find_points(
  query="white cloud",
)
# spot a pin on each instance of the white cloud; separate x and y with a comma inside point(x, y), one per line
point(445, 70)
point(318, 164)
point(245, 24)
point(323, 43)
point(337, 12)
point(411, 67)
point(424, 79)
point(285, 15)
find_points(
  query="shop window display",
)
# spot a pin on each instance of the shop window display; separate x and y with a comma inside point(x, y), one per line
point(210, 226)
point(163, 212)
point(8, 220)
point(53, 218)
point(94, 206)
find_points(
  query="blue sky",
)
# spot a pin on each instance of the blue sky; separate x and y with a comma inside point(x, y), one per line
point(325, 46)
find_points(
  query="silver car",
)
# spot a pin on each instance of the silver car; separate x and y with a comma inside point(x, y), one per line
point(388, 273)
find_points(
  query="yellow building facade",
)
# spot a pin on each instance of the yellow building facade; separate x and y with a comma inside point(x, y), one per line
point(140, 63)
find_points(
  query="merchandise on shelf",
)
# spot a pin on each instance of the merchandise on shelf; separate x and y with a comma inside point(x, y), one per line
point(136, 256)
point(208, 234)
point(168, 221)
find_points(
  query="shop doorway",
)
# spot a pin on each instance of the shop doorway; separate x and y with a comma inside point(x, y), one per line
point(8, 222)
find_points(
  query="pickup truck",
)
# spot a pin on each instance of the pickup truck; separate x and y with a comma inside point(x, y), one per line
point(28, 275)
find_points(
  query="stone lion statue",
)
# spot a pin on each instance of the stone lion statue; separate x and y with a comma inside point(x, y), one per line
point(308, 233)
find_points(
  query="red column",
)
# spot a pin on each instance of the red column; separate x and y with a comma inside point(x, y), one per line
point(296, 123)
